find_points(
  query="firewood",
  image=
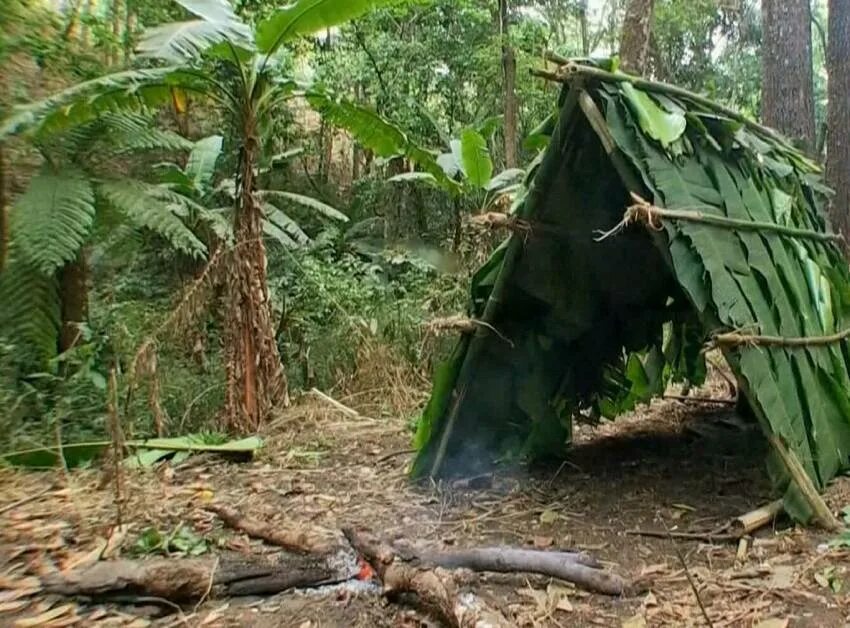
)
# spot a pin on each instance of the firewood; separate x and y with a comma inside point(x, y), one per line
point(436, 589)
point(293, 537)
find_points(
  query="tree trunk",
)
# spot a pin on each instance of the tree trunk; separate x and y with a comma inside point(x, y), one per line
point(838, 120)
point(74, 300)
point(118, 21)
point(634, 40)
point(582, 20)
point(509, 76)
point(788, 102)
point(256, 381)
point(4, 211)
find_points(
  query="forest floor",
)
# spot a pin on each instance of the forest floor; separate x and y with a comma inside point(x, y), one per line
point(686, 467)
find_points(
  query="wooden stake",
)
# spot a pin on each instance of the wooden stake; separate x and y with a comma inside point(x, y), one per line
point(823, 515)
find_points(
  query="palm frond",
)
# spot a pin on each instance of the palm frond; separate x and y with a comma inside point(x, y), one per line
point(133, 90)
point(155, 208)
point(282, 228)
point(53, 219)
point(130, 132)
point(307, 201)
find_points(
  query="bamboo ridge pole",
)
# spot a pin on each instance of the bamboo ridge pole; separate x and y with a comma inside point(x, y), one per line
point(571, 69)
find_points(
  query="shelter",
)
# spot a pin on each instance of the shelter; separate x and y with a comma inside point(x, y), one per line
point(656, 222)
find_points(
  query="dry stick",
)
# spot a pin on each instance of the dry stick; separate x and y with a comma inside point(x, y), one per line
point(646, 213)
point(25, 500)
point(823, 515)
point(117, 438)
point(707, 537)
point(689, 576)
point(436, 589)
point(339, 406)
point(574, 70)
point(709, 400)
point(735, 339)
point(297, 538)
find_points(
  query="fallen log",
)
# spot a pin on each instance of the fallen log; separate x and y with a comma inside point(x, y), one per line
point(186, 580)
point(436, 589)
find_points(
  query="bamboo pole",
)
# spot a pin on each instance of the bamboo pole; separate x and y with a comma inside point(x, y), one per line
point(735, 339)
point(494, 302)
point(823, 515)
point(571, 69)
point(647, 213)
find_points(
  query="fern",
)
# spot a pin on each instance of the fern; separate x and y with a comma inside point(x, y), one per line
point(30, 312)
point(129, 132)
point(155, 208)
point(53, 219)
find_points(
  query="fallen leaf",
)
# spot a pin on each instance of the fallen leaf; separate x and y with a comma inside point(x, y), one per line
point(215, 614)
point(650, 600)
point(116, 539)
point(542, 542)
point(10, 607)
point(773, 622)
point(84, 559)
point(638, 621)
point(548, 516)
point(565, 605)
point(43, 618)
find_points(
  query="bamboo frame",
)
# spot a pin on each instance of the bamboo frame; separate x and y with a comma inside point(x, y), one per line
point(645, 212)
point(570, 70)
point(736, 339)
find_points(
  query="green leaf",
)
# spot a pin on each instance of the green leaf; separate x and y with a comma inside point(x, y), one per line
point(307, 201)
point(505, 179)
point(177, 42)
point(74, 455)
point(53, 219)
point(475, 158)
point(661, 125)
point(425, 177)
point(144, 458)
point(132, 90)
point(194, 442)
point(156, 208)
point(30, 308)
point(201, 165)
point(306, 17)
point(283, 229)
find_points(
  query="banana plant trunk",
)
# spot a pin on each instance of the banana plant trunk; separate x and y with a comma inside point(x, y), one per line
point(256, 382)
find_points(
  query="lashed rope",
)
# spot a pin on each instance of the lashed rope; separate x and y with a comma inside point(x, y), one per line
point(642, 211)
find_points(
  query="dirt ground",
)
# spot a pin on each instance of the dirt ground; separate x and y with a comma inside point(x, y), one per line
point(674, 466)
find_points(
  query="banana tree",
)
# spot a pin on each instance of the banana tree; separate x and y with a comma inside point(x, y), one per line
point(467, 175)
point(221, 59)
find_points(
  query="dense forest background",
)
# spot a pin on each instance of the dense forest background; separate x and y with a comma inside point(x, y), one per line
point(121, 293)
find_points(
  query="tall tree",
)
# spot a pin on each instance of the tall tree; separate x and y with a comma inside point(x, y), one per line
point(838, 120)
point(634, 40)
point(788, 102)
point(511, 109)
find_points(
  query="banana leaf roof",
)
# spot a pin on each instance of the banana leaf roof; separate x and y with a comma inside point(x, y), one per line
point(595, 316)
